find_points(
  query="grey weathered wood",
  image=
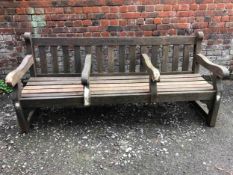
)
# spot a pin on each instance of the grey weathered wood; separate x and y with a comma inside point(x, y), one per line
point(121, 58)
point(132, 58)
point(175, 59)
point(154, 73)
point(99, 59)
point(197, 49)
point(53, 50)
point(30, 51)
point(111, 58)
point(15, 76)
point(86, 70)
point(66, 59)
point(185, 64)
point(163, 40)
point(164, 59)
point(155, 56)
point(77, 59)
point(214, 107)
point(217, 70)
point(43, 60)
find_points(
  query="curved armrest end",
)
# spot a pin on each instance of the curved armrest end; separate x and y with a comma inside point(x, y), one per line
point(14, 76)
point(217, 70)
point(154, 73)
point(86, 71)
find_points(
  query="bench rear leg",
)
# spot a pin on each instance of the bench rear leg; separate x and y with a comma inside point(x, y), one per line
point(21, 120)
point(213, 110)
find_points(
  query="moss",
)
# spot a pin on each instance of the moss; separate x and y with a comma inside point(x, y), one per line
point(5, 88)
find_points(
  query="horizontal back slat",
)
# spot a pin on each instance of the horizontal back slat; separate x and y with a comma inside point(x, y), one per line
point(163, 40)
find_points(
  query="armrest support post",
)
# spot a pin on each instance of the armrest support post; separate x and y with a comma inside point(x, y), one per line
point(14, 77)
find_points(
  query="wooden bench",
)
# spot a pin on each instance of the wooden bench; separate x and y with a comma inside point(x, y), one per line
point(99, 71)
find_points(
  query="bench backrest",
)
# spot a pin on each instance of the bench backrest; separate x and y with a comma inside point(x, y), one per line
point(65, 55)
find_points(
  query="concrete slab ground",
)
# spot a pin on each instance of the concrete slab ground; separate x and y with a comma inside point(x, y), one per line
point(171, 138)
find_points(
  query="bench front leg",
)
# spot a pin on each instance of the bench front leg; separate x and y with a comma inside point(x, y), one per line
point(85, 79)
point(154, 76)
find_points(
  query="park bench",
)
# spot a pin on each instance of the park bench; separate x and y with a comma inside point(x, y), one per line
point(67, 71)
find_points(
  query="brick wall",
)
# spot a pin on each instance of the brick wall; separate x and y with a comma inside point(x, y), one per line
point(103, 18)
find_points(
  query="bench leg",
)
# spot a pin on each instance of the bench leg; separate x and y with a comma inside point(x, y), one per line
point(21, 120)
point(213, 110)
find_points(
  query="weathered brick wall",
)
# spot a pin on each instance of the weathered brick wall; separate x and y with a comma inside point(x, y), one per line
point(103, 18)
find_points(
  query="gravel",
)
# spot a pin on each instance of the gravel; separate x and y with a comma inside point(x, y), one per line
point(166, 138)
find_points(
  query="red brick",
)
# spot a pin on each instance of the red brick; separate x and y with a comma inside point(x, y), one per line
point(157, 20)
point(123, 9)
point(132, 8)
point(182, 25)
point(21, 11)
point(149, 8)
point(130, 15)
point(87, 22)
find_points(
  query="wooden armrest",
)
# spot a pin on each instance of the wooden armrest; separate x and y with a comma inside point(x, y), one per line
point(14, 76)
point(154, 73)
point(86, 70)
point(218, 70)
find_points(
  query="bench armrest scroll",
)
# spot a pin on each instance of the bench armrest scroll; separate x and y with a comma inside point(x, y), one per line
point(14, 76)
point(154, 73)
point(86, 70)
point(217, 70)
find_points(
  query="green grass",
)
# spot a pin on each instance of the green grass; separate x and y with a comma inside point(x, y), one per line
point(5, 88)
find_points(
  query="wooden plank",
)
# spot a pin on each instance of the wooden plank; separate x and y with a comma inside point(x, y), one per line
point(55, 78)
point(175, 59)
point(43, 61)
point(99, 58)
point(54, 101)
point(66, 60)
point(155, 56)
point(53, 87)
point(25, 95)
point(174, 83)
point(121, 58)
point(185, 64)
point(111, 56)
point(120, 81)
point(132, 58)
point(93, 41)
point(77, 59)
point(119, 85)
point(32, 91)
point(110, 74)
point(51, 83)
point(53, 50)
point(164, 59)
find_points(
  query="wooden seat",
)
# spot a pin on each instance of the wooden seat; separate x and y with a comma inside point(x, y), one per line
point(45, 89)
point(118, 89)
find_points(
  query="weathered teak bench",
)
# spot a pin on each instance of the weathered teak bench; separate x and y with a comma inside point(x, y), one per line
point(128, 73)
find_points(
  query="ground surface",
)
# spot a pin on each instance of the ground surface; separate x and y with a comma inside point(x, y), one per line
point(136, 139)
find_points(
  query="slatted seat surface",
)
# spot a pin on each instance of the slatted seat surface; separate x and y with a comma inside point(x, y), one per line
point(53, 87)
point(171, 87)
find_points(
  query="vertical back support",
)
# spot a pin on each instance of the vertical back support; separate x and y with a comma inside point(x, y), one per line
point(99, 58)
point(175, 58)
point(121, 58)
point(111, 58)
point(53, 50)
point(43, 61)
point(29, 50)
point(164, 59)
point(66, 61)
point(197, 49)
point(132, 59)
point(185, 64)
point(77, 59)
